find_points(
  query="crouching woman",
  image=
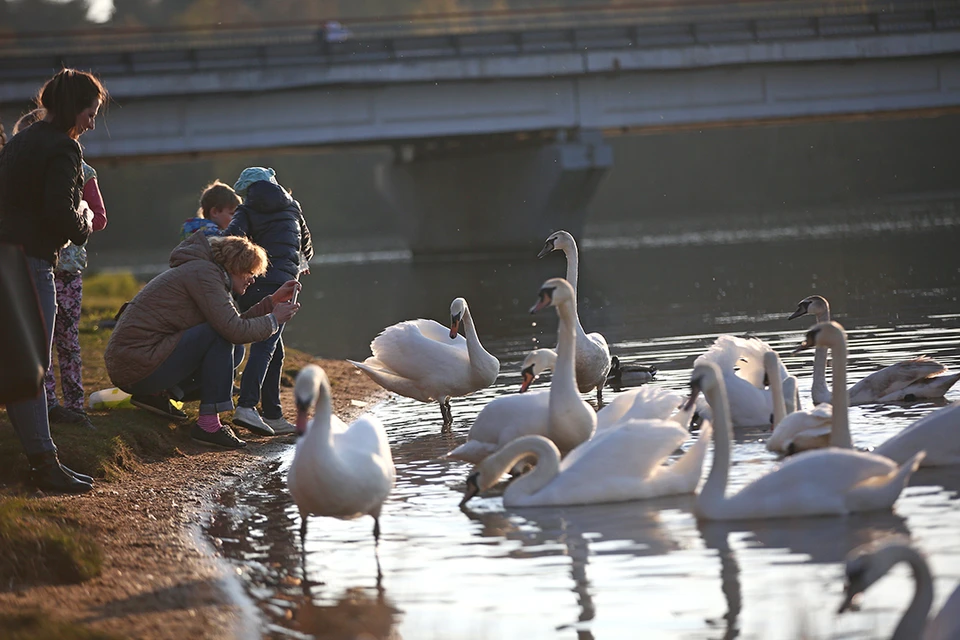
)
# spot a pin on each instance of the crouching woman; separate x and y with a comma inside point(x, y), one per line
point(179, 332)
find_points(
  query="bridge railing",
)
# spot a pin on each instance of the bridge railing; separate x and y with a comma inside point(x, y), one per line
point(395, 33)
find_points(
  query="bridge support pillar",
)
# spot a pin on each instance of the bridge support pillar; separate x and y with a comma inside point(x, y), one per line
point(468, 198)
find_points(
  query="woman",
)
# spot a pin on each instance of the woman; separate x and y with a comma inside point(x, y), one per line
point(40, 209)
point(179, 332)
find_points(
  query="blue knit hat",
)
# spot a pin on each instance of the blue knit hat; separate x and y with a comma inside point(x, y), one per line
point(253, 174)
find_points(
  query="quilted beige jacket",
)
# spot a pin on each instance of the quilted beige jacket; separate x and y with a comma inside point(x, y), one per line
point(193, 291)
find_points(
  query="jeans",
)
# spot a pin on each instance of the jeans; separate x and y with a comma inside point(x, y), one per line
point(261, 377)
point(29, 417)
point(201, 358)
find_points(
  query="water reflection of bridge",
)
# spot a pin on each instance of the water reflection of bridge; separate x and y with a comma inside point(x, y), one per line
point(498, 118)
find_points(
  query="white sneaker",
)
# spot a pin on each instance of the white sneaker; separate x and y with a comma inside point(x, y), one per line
point(248, 418)
point(280, 425)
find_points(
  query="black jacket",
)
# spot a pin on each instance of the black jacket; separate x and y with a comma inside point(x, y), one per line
point(41, 185)
point(272, 219)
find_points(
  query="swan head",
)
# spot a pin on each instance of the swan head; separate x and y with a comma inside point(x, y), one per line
point(553, 292)
point(557, 241)
point(472, 488)
point(811, 305)
point(868, 563)
point(457, 308)
point(306, 391)
point(824, 334)
point(705, 376)
point(534, 364)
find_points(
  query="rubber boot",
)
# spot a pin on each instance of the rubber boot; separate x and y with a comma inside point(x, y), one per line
point(82, 477)
point(46, 473)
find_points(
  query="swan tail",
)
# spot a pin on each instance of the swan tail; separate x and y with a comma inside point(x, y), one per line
point(471, 451)
point(880, 492)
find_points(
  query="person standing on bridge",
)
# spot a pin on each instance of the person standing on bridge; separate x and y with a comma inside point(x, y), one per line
point(42, 209)
point(271, 218)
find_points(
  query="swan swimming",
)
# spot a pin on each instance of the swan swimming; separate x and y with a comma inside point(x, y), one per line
point(832, 481)
point(338, 470)
point(904, 381)
point(593, 354)
point(423, 360)
point(870, 562)
point(741, 362)
point(798, 430)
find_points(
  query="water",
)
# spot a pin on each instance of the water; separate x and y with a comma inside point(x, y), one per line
point(637, 569)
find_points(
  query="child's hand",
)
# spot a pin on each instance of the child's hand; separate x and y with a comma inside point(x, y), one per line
point(286, 292)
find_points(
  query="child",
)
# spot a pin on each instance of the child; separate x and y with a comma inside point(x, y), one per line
point(68, 278)
point(272, 219)
point(217, 204)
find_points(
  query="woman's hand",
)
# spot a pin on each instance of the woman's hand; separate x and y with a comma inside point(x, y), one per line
point(285, 292)
point(284, 311)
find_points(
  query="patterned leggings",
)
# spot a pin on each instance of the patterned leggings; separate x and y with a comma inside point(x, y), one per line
point(66, 339)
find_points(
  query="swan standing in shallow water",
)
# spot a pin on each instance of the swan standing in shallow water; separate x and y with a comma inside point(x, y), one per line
point(870, 562)
point(904, 381)
point(830, 481)
point(423, 360)
point(338, 470)
point(799, 430)
point(593, 354)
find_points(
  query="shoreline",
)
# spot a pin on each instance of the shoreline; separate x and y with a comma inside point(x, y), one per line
point(162, 577)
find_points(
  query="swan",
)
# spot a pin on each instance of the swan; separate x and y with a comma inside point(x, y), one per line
point(741, 362)
point(593, 354)
point(338, 470)
point(621, 376)
point(791, 394)
point(559, 413)
point(798, 430)
point(904, 381)
point(936, 433)
point(644, 403)
point(870, 562)
point(614, 466)
point(423, 360)
point(832, 481)
point(535, 363)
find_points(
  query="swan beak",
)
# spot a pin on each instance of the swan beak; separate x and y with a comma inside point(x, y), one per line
point(454, 327)
point(694, 392)
point(528, 378)
point(806, 344)
point(303, 417)
point(848, 600)
point(801, 311)
point(544, 298)
point(471, 489)
point(547, 248)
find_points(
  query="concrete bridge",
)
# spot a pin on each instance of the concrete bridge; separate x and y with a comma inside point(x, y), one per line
point(498, 119)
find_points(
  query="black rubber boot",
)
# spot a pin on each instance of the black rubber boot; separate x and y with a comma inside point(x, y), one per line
point(82, 477)
point(46, 473)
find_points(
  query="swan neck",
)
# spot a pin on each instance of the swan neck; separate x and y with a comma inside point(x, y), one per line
point(776, 390)
point(474, 347)
point(322, 414)
point(915, 617)
point(573, 264)
point(840, 432)
point(564, 372)
point(819, 385)
point(715, 488)
point(545, 469)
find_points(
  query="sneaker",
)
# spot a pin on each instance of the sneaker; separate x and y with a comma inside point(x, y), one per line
point(248, 418)
point(223, 437)
point(158, 405)
point(59, 414)
point(280, 425)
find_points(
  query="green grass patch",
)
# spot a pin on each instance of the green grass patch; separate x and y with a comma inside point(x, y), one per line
point(38, 625)
point(40, 544)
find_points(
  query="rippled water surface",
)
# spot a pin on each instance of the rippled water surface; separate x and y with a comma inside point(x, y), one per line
point(636, 569)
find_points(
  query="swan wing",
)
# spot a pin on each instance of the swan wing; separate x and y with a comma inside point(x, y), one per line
point(749, 406)
point(808, 424)
point(937, 433)
point(742, 355)
point(502, 420)
point(892, 379)
point(592, 361)
point(410, 348)
point(926, 388)
point(947, 623)
point(643, 403)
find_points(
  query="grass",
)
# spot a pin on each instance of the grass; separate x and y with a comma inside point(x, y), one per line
point(37, 625)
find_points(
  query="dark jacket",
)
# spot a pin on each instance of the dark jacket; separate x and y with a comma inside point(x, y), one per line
point(272, 219)
point(41, 184)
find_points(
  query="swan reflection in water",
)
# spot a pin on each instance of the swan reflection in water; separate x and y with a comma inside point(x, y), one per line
point(822, 540)
point(356, 613)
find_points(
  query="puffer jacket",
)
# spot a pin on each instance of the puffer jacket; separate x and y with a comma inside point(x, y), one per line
point(193, 291)
point(272, 219)
point(41, 185)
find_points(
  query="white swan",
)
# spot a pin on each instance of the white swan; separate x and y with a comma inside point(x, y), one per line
point(798, 430)
point(338, 470)
point(868, 563)
point(614, 466)
point(935, 433)
point(741, 362)
point(534, 364)
point(904, 381)
point(625, 376)
point(559, 413)
point(423, 360)
point(644, 403)
point(830, 481)
point(593, 354)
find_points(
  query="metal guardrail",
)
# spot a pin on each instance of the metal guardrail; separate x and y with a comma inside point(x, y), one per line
point(402, 29)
